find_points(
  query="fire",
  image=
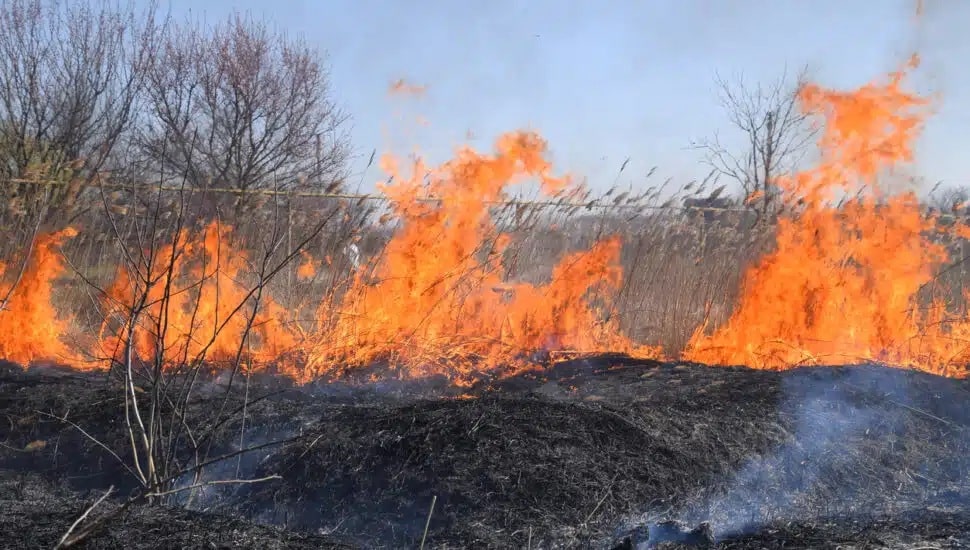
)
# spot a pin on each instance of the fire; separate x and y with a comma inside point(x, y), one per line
point(30, 326)
point(404, 87)
point(189, 301)
point(843, 282)
point(437, 302)
point(308, 266)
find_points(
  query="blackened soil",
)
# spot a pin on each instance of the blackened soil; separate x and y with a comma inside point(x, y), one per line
point(36, 513)
point(922, 530)
point(581, 455)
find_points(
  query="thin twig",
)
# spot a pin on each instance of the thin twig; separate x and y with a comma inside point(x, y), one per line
point(609, 490)
point(93, 439)
point(922, 412)
point(909, 408)
point(427, 523)
point(209, 483)
point(65, 542)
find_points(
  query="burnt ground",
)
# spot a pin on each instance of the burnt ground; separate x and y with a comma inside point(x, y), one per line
point(588, 454)
point(37, 512)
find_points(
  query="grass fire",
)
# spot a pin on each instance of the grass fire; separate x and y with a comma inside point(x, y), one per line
point(205, 333)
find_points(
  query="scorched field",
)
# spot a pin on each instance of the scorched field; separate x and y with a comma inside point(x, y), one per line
point(427, 377)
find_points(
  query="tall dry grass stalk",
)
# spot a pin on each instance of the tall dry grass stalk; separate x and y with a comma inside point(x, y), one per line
point(681, 266)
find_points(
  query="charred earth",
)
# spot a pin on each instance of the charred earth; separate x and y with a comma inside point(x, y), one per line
point(593, 453)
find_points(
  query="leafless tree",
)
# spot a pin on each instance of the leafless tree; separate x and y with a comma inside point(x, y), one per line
point(949, 199)
point(775, 131)
point(70, 77)
point(243, 107)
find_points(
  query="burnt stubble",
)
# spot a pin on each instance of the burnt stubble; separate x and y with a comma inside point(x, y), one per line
point(584, 454)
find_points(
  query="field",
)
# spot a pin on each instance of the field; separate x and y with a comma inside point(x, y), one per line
point(188, 367)
point(593, 452)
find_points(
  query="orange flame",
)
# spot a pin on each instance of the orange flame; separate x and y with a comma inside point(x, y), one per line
point(437, 301)
point(403, 87)
point(843, 282)
point(191, 302)
point(30, 326)
point(308, 266)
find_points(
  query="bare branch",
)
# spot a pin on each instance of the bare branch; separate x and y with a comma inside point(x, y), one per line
point(70, 77)
point(775, 135)
point(156, 494)
point(67, 541)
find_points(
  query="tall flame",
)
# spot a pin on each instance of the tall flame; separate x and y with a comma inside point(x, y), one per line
point(846, 281)
point(191, 302)
point(437, 301)
point(30, 326)
point(843, 282)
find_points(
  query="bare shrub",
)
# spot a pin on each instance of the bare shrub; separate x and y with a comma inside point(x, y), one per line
point(166, 318)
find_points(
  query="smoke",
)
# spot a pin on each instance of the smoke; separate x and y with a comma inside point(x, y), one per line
point(212, 487)
point(827, 418)
point(863, 441)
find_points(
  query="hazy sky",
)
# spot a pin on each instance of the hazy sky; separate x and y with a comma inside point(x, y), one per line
point(603, 81)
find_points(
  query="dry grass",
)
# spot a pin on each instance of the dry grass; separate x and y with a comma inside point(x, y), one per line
point(679, 268)
point(682, 267)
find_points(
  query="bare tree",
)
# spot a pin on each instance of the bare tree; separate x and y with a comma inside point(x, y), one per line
point(241, 107)
point(775, 134)
point(70, 76)
point(949, 199)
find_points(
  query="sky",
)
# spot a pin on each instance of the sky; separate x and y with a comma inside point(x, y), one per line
point(606, 81)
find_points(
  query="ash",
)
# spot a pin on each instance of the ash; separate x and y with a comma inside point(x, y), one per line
point(585, 454)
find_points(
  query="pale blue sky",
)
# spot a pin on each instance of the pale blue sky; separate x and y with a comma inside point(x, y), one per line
point(603, 81)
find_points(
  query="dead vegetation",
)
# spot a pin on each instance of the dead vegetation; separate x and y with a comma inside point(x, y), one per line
point(48, 508)
point(576, 457)
point(207, 242)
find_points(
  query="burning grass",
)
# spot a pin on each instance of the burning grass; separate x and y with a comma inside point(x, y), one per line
point(29, 321)
point(512, 410)
point(844, 282)
point(436, 299)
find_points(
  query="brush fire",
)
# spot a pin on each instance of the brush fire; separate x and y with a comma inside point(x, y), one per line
point(431, 395)
point(842, 285)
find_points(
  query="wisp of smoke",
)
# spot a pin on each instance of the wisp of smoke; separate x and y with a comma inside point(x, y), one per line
point(827, 416)
point(853, 450)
